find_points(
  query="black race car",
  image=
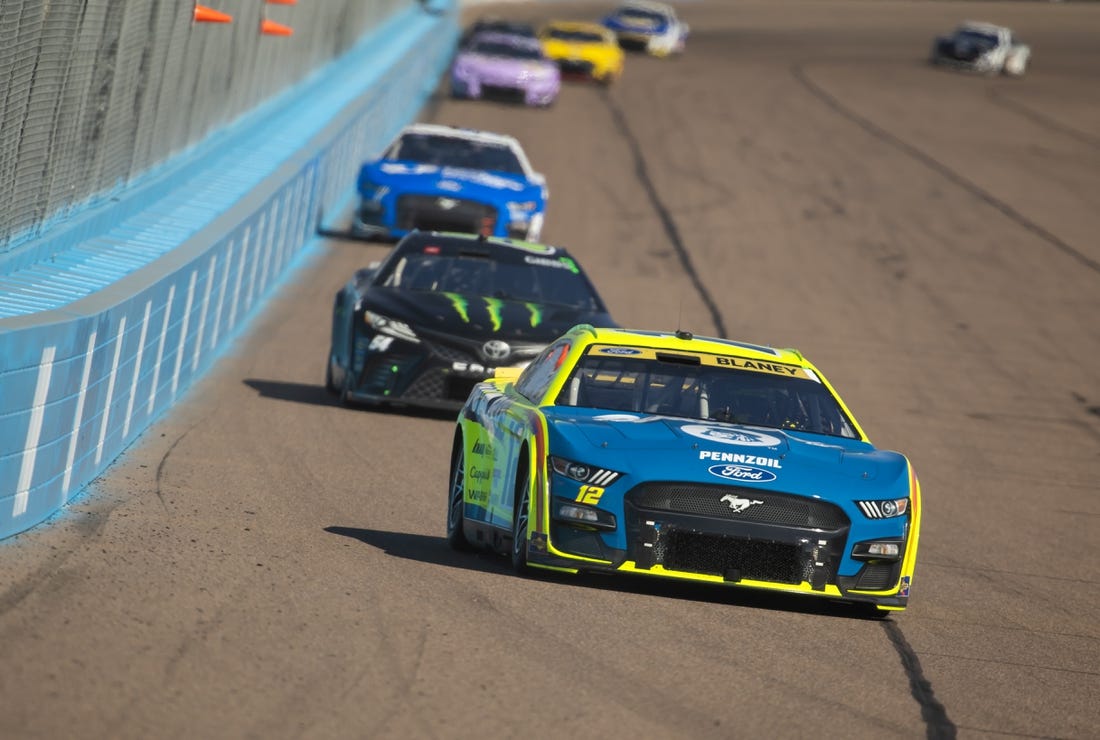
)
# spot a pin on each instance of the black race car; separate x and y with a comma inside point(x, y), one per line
point(443, 310)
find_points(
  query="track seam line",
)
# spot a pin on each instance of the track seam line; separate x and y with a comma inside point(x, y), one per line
point(937, 724)
point(667, 222)
point(799, 73)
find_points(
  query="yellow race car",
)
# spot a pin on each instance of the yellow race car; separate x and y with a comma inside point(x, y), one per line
point(583, 50)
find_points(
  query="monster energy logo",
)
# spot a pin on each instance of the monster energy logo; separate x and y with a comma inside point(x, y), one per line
point(494, 307)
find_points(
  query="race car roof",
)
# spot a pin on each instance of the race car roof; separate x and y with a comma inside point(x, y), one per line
point(649, 5)
point(684, 341)
point(471, 134)
point(448, 242)
point(981, 26)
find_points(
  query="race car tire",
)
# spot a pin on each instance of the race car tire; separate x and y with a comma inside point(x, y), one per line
point(456, 518)
point(330, 387)
point(521, 514)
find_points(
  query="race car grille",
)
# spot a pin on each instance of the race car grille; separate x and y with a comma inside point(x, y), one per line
point(877, 576)
point(739, 504)
point(575, 67)
point(731, 558)
point(428, 385)
point(503, 94)
point(440, 213)
point(633, 42)
point(453, 354)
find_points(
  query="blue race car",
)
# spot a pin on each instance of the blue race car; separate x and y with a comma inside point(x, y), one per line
point(440, 178)
point(652, 27)
point(674, 456)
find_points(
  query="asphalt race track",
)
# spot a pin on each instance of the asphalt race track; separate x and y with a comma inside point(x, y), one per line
point(266, 564)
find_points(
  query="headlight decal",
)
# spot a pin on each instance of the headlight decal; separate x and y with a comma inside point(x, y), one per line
point(582, 473)
point(884, 509)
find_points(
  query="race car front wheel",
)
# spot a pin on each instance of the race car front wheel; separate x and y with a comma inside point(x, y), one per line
point(520, 515)
point(456, 500)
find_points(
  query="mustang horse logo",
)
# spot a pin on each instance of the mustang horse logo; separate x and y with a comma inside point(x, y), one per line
point(739, 504)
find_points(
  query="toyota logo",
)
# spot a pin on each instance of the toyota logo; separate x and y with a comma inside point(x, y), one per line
point(495, 349)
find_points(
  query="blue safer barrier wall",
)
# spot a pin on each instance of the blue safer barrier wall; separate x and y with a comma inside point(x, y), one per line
point(187, 265)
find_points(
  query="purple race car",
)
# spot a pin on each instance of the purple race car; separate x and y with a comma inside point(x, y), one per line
point(505, 66)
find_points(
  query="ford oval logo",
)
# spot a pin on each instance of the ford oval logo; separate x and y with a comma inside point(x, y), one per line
point(495, 349)
point(742, 473)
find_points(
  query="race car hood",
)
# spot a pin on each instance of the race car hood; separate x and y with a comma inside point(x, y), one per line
point(478, 317)
point(517, 68)
point(621, 23)
point(453, 182)
point(578, 50)
point(712, 452)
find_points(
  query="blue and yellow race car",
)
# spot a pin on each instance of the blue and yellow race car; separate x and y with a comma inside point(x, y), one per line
point(683, 457)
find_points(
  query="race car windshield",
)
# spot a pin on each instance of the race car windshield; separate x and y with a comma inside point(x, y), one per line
point(977, 38)
point(523, 278)
point(452, 151)
point(634, 15)
point(505, 50)
point(706, 393)
point(579, 37)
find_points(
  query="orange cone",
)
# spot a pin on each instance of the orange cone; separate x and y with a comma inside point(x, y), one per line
point(282, 2)
point(204, 14)
point(271, 28)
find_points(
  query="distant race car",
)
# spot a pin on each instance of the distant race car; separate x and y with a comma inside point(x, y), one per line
point(505, 67)
point(651, 27)
point(442, 178)
point(583, 49)
point(683, 457)
point(497, 25)
point(982, 47)
point(444, 310)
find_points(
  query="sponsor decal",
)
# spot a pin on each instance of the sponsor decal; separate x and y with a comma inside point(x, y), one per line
point(482, 178)
point(477, 474)
point(764, 367)
point(561, 263)
point(495, 349)
point(536, 313)
point(619, 351)
point(740, 459)
point(737, 503)
point(449, 185)
point(475, 369)
point(461, 305)
point(479, 448)
point(744, 473)
point(589, 495)
point(395, 168)
point(537, 543)
point(730, 436)
point(904, 591)
point(495, 306)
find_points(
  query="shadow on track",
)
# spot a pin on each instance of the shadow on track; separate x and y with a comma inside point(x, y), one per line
point(434, 551)
point(316, 395)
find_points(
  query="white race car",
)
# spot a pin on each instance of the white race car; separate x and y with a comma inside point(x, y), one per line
point(982, 47)
point(647, 26)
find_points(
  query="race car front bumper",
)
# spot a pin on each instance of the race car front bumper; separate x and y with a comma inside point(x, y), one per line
point(797, 545)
